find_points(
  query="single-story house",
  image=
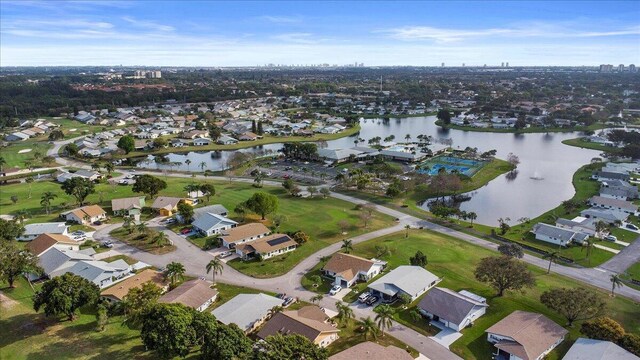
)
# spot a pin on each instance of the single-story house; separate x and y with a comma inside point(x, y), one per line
point(456, 310)
point(101, 273)
point(44, 242)
point(309, 321)
point(213, 209)
point(613, 204)
point(590, 349)
point(557, 235)
point(247, 311)
point(525, 336)
point(266, 247)
point(118, 292)
point(201, 142)
point(578, 224)
point(226, 140)
point(131, 206)
point(347, 269)
point(167, 205)
point(243, 234)
point(371, 350)
point(618, 193)
point(85, 215)
point(210, 224)
point(196, 294)
point(248, 136)
point(31, 231)
point(606, 176)
point(405, 279)
point(608, 216)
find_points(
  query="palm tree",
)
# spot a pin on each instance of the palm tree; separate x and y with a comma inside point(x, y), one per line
point(347, 245)
point(415, 315)
point(368, 326)
point(188, 162)
point(141, 228)
point(257, 180)
point(274, 310)
point(128, 221)
point(96, 166)
point(3, 162)
point(553, 257)
point(385, 314)
point(29, 181)
point(588, 245)
point(407, 137)
point(109, 167)
point(203, 165)
point(317, 298)
point(407, 228)
point(45, 200)
point(215, 267)
point(174, 271)
point(616, 282)
point(191, 188)
point(161, 238)
point(22, 215)
point(344, 312)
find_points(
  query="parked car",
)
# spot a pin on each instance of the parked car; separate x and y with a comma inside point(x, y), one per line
point(611, 238)
point(288, 301)
point(97, 222)
point(77, 233)
point(285, 177)
point(225, 254)
point(79, 238)
point(632, 227)
point(185, 231)
point(281, 296)
point(372, 300)
point(107, 244)
point(335, 289)
point(363, 297)
point(169, 221)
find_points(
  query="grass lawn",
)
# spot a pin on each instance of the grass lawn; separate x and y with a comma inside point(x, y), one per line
point(25, 334)
point(141, 241)
point(455, 261)
point(14, 158)
point(350, 336)
point(592, 127)
point(582, 143)
point(624, 235)
point(267, 139)
point(80, 227)
point(323, 287)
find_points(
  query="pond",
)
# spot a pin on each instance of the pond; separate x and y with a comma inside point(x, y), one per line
point(543, 180)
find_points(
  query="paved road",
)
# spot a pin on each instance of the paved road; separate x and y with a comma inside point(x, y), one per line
point(625, 258)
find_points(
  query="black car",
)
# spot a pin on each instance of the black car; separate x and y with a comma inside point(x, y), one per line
point(372, 300)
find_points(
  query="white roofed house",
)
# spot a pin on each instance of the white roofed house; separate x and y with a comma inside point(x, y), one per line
point(247, 311)
point(406, 279)
point(266, 247)
point(614, 204)
point(455, 310)
point(348, 269)
point(31, 231)
point(209, 223)
point(557, 235)
point(101, 273)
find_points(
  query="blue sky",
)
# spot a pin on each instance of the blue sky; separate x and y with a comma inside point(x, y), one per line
point(182, 33)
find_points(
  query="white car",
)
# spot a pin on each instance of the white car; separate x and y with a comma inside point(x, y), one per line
point(335, 289)
point(225, 254)
point(363, 297)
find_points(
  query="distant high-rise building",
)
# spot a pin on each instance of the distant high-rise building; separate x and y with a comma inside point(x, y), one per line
point(606, 68)
point(632, 68)
point(621, 68)
point(442, 65)
point(507, 64)
point(462, 64)
point(502, 64)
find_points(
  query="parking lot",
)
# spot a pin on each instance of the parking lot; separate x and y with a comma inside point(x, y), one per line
point(312, 173)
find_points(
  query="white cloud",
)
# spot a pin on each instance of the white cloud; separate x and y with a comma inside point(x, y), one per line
point(145, 24)
point(281, 19)
point(298, 38)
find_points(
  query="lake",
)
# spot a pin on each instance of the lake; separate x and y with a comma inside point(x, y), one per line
point(542, 155)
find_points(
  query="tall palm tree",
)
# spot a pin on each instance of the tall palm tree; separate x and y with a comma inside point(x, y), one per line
point(96, 166)
point(22, 215)
point(347, 245)
point(174, 271)
point(141, 228)
point(3, 162)
point(109, 167)
point(553, 257)
point(616, 282)
point(188, 162)
point(215, 267)
point(407, 228)
point(588, 245)
point(45, 200)
point(127, 224)
point(316, 298)
point(368, 326)
point(384, 316)
point(161, 238)
point(344, 312)
point(189, 188)
point(29, 181)
point(203, 165)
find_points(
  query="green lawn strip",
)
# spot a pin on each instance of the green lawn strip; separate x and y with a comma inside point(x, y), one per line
point(308, 283)
point(141, 241)
point(25, 334)
point(533, 129)
point(267, 139)
point(582, 143)
point(14, 158)
point(624, 235)
point(79, 227)
point(127, 259)
point(455, 261)
point(227, 292)
point(350, 336)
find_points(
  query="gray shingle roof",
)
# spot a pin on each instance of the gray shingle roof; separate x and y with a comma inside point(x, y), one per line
point(245, 309)
point(558, 232)
point(209, 221)
point(589, 349)
point(41, 228)
point(409, 279)
point(448, 304)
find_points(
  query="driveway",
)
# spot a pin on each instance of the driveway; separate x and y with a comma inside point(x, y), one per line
point(446, 336)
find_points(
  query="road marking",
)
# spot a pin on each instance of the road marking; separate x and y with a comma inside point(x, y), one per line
point(601, 270)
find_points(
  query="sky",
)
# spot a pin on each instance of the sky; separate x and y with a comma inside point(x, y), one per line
point(376, 33)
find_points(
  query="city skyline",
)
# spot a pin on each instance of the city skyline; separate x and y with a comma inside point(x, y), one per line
point(107, 33)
